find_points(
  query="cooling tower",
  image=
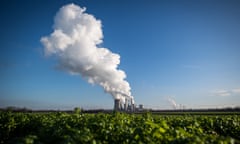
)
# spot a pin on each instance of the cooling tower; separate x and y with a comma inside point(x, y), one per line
point(117, 105)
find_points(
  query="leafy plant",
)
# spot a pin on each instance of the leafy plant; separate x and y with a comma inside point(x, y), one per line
point(117, 128)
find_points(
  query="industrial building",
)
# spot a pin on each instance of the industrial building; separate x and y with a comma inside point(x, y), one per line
point(127, 105)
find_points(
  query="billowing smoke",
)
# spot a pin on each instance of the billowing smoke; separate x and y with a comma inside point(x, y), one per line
point(75, 42)
point(173, 103)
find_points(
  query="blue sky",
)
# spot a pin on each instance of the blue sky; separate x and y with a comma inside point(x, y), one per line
point(188, 51)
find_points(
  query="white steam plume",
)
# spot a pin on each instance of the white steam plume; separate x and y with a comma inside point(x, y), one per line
point(75, 43)
point(173, 103)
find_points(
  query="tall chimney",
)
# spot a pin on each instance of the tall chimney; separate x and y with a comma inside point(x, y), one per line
point(126, 105)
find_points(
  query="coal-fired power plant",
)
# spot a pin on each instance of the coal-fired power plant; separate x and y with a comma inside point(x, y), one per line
point(126, 105)
point(76, 43)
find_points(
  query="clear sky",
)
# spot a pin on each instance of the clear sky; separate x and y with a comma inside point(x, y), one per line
point(187, 51)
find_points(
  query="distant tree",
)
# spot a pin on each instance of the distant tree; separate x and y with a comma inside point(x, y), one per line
point(11, 108)
point(77, 110)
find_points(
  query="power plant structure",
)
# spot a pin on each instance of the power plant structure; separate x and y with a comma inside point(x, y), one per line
point(127, 105)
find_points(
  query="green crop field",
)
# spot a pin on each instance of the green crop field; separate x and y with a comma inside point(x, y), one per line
point(116, 128)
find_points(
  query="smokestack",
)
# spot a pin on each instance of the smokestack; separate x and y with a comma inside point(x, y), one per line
point(132, 105)
point(126, 104)
point(141, 107)
point(117, 105)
